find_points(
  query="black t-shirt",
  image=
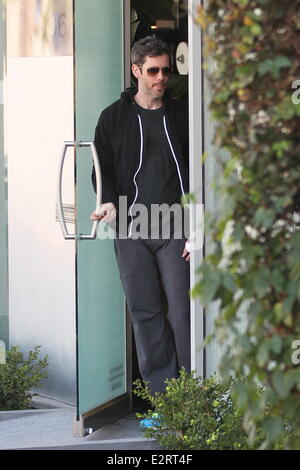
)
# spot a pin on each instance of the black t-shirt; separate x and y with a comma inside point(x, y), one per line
point(157, 180)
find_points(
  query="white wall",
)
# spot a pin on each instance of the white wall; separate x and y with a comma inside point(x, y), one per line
point(40, 114)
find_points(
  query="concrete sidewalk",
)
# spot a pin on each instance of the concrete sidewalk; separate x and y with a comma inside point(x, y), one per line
point(51, 429)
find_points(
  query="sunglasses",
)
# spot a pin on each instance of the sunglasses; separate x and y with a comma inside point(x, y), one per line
point(152, 71)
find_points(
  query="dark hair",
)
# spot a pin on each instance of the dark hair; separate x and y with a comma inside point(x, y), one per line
point(150, 46)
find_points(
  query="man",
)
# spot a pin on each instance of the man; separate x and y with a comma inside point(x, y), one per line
point(142, 144)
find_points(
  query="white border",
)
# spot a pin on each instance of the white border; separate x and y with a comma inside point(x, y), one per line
point(196, 151)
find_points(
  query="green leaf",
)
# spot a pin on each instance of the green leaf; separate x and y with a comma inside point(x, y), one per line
point(274, 427)
point(264, 217)
point(256, 29)
point(276, 344)
point(261, 280)
point(292, 378)
point(288, 320)
point(240, 395)
point(278, 280)
point(280, 384)
point(262, 355)
point(209, 286)
point(274, 66)
point(189, 197)
point(281, 147)
point(287, 304)
point(278, 312)
point(282, 61)
point(222, 96)
point(228, 281)
point(244, 70)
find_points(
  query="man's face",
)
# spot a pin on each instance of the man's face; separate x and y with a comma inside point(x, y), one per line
point(152, 85)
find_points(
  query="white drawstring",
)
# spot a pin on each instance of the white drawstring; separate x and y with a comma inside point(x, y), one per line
point(140, 164)
point(134, 178)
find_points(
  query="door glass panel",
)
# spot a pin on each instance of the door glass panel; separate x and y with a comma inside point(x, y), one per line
point(100, 301)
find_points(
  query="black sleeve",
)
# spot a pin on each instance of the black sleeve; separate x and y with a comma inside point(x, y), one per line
point(106, 158)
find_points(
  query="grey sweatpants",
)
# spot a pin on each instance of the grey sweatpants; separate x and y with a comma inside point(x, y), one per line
point(152, 270)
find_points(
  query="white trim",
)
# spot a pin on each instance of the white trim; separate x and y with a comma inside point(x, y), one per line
point(195, 151)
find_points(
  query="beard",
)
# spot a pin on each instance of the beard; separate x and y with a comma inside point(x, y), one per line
point(155, 91)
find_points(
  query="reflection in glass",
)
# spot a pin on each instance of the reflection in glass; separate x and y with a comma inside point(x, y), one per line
point(40, 28)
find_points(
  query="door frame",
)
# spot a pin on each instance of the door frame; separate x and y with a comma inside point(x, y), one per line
point(196, 173)
point(196, 180)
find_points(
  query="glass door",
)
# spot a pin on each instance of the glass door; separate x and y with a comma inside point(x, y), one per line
point(101, 313)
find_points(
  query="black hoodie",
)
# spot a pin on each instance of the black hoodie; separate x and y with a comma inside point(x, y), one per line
point(118, 142)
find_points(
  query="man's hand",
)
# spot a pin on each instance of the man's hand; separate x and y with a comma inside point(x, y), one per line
point(186, 251)
point(107, 213)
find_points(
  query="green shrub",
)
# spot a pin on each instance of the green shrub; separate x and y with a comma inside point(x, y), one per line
point(251, 268)
point(18, 376)
point(195, 413)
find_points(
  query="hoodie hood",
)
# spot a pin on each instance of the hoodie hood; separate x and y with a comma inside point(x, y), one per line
point(129, 93)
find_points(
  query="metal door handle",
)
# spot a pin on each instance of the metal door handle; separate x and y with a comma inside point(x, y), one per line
point(61, 216)
point(66, 234)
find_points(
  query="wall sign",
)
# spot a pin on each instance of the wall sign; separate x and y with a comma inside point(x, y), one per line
point(38, 28)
